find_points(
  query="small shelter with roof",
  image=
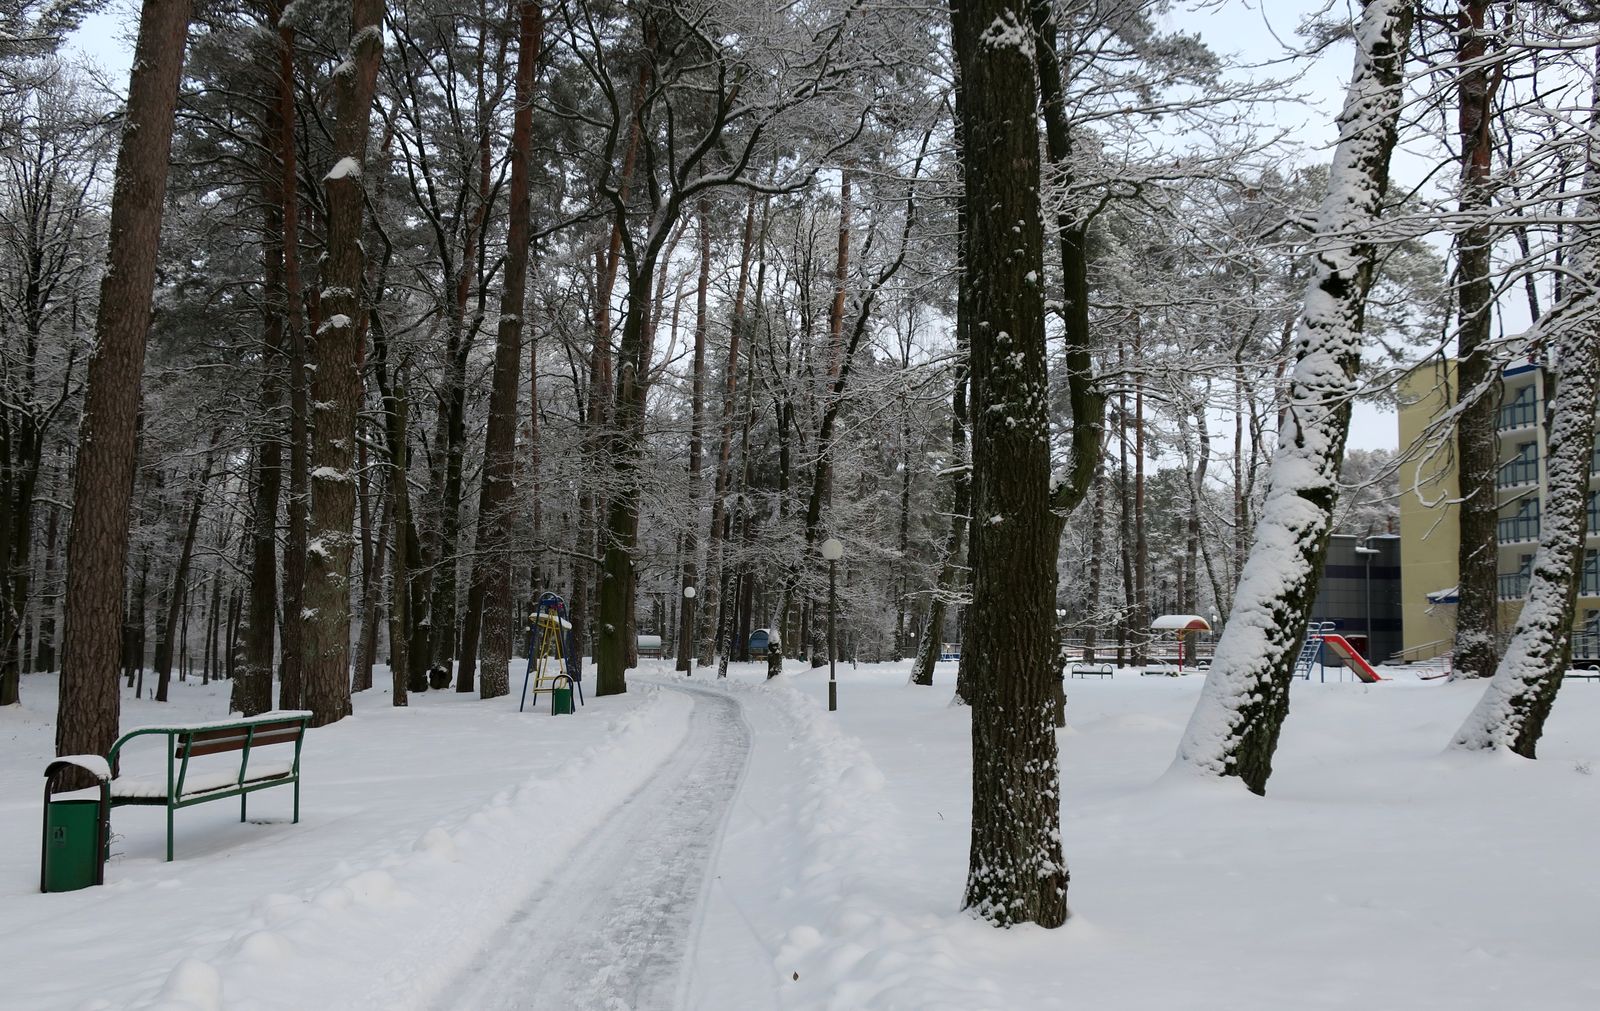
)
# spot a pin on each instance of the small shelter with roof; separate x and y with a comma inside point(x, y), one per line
point(1180, 625)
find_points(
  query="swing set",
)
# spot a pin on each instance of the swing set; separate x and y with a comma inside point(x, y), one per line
point(552, 668)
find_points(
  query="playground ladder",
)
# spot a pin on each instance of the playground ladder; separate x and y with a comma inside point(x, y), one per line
point(1311, 650)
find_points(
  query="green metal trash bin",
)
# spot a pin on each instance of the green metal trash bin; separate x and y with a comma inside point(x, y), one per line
point(561, 696)
point(73, 852)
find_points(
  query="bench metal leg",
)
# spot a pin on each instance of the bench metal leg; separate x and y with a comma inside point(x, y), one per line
point(297, 800)
point(243, 800)
point(169, 833)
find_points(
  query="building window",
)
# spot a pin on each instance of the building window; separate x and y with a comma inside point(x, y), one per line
point(1522, 411)
point(1594, 512)
point(1590, 585)
point(1523, 525)
point(1523, 468)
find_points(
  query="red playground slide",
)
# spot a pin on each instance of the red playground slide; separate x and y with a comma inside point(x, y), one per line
point(1348, 654)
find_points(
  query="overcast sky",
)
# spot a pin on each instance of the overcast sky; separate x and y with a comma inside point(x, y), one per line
point(1259, 32)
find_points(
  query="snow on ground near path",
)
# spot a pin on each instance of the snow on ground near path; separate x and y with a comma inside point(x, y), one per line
point(421, 831)
point(1378, 873)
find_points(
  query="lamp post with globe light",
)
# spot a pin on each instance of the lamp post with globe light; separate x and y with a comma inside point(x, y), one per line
point(832, 550)
point(686, 663)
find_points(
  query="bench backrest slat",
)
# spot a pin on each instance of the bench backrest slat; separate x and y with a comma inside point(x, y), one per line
point(212, 742)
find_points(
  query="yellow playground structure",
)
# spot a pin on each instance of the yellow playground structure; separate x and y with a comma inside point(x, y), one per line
point(549, 648)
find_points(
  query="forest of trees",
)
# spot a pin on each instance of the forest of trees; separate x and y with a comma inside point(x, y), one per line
point(456, 302)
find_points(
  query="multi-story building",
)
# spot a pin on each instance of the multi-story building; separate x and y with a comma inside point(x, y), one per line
point(1429, 533)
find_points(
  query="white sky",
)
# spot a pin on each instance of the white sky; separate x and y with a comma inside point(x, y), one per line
point(1258, 31)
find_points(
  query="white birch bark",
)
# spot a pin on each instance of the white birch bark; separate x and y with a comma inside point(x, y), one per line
point(1235, 725)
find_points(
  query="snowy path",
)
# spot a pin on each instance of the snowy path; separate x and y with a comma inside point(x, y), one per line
point(616, 924)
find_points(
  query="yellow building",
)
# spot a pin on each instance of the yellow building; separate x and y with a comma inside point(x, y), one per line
point(1429, 531)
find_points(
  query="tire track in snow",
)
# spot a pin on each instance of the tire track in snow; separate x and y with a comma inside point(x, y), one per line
point(614, 926)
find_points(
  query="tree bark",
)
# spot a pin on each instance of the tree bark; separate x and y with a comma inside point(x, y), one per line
point(711, 599)
point(1513, 708)
point(1477, 642)
point(489, 598)
point(1016, 873)
point(336, 383)
point(1235, 725)
point(689, 574)
point(97, 545)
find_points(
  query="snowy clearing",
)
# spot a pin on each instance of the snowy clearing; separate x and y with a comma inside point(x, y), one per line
point(459, 854)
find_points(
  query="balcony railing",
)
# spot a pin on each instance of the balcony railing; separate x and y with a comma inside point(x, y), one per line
point(1517, 472)
point(1513, 585)
point(1516, 529)
point(1518, 415)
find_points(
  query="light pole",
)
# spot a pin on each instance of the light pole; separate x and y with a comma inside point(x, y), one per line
point(689, 633)
point(832, 550)
point(1366, 551)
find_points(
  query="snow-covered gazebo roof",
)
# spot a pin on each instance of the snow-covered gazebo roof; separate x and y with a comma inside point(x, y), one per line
point(1180, 623)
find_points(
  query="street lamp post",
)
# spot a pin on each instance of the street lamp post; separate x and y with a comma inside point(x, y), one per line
point(689, 633)
point(1366, 551)
point(832, 550)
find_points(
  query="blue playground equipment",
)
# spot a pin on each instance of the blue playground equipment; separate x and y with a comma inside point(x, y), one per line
point(552, 665)
point(1311, 650)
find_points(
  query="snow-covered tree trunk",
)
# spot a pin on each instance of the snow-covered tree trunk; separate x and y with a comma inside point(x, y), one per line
point(1016, 873)
point(1235, 725)
point(1513, 708)
point(336, 383)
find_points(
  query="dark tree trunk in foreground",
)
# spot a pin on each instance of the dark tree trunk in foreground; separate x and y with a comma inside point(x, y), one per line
point(1512, 712)
point(1235, 726)
point(1016, 872)
point(489, 603)
point(1477, 447)
point(97, 546)
point(336, 383)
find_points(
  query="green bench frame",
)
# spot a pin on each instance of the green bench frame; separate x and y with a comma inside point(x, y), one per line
point(186, 742)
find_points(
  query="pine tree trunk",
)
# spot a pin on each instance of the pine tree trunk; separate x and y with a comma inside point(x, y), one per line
point(1477, 642)
point(1512, 711)
point(689, 572)
point(336, 383)
point(1235, 726)
point(711, 580)
point(490, 592)
point(251, 692)
point(292, 634)
point(1016, 872)
point(97, 545)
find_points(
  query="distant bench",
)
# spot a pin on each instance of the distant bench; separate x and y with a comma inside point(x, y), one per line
point(1093, 670)
point(184, 787)
point(1584, 673)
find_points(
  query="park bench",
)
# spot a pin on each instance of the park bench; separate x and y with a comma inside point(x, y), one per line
point(1585, 673)
point(186, 786)
point(1098, 670)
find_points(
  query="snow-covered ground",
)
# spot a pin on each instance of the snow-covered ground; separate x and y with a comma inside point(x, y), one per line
point(734, 846)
